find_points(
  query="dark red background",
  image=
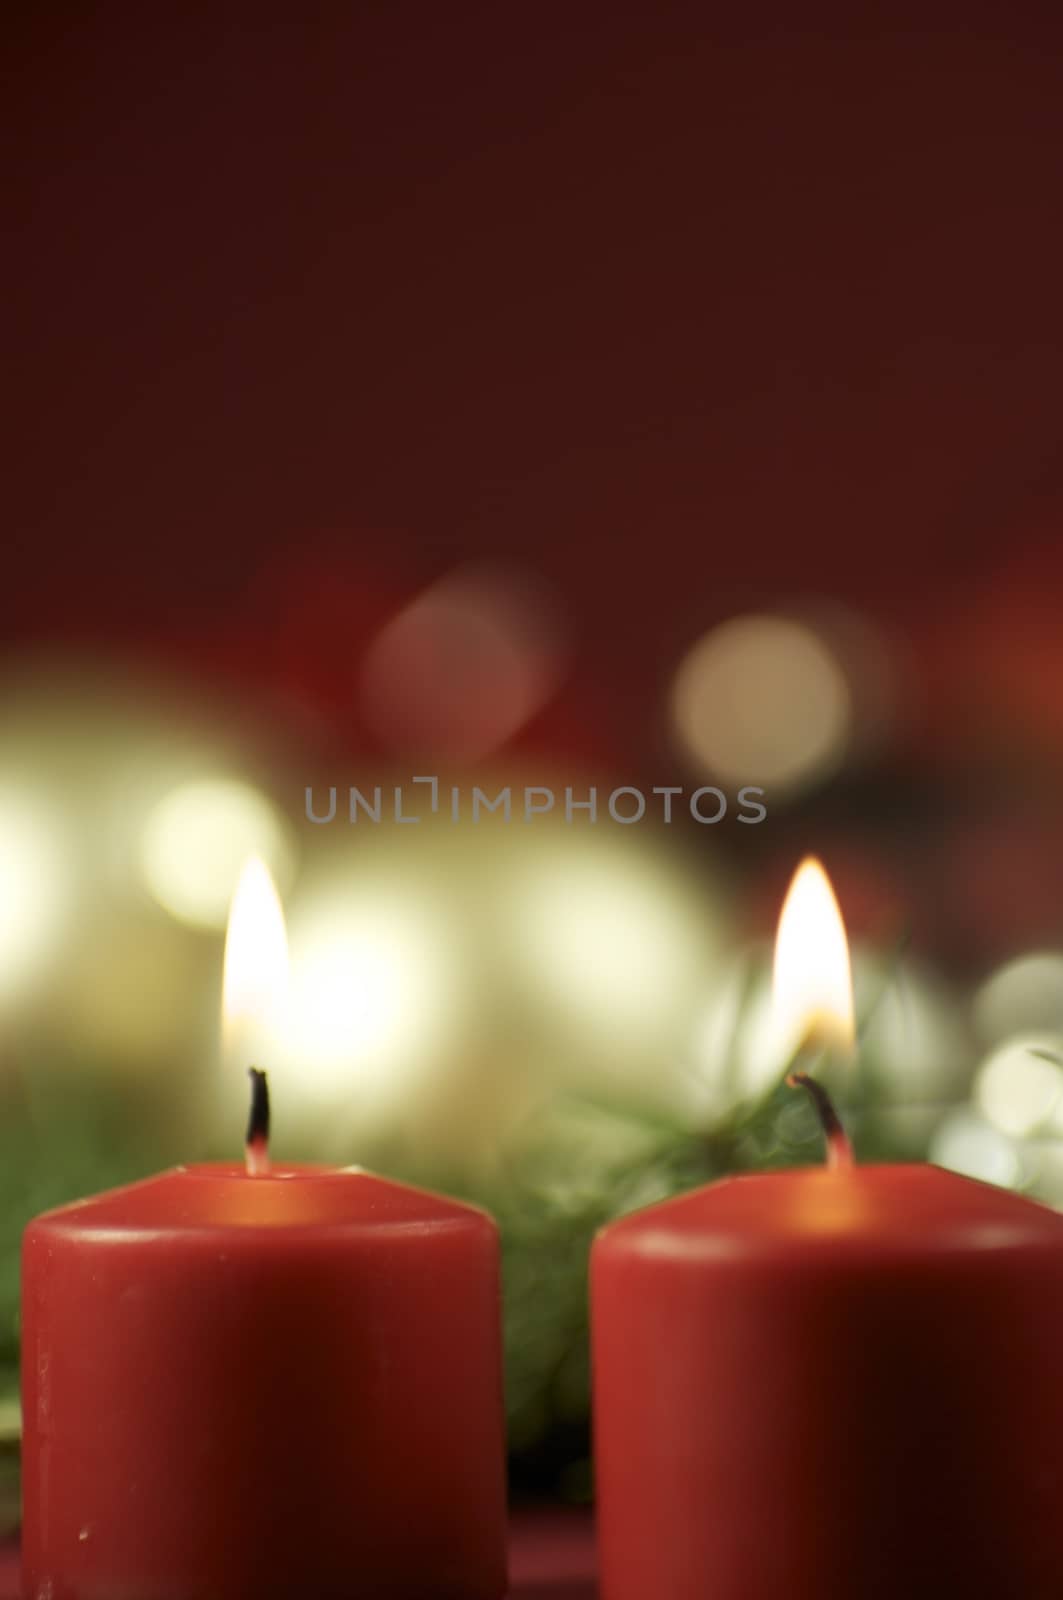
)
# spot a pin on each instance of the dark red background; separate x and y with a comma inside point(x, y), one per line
point(679, 303)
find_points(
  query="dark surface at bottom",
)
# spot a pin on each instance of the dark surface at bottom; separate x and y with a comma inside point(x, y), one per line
point(551, 1556)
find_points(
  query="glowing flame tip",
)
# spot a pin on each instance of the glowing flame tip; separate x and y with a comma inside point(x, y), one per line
point(812, 991)
point(256, 954)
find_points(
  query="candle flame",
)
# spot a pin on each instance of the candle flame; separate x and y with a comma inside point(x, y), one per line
point(812, 990)
point(256, 961)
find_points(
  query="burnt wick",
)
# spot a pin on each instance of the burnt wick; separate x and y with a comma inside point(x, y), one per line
point(256, 1144)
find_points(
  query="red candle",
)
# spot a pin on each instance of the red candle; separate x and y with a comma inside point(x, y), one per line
point(837, 1382)
point(262, 1382)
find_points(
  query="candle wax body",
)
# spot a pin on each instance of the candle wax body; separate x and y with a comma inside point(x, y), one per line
point(830, 1385)
point(242, 1387)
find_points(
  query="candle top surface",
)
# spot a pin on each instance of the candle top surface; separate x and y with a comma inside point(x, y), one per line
point(911, 1209)
point(222, 1195)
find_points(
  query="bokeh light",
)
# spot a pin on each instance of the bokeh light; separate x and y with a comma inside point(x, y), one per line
point(1044, 1159)
point(738, 1054)
point(370, 996)
point(966, 1143)
point(912, 1042)
point(1025, 993)
point(196, 840)
point(34, 882)
point(609, 949)
point(763, 700)
point(1017, 1089)
point(609, 936)
point(465, 665)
